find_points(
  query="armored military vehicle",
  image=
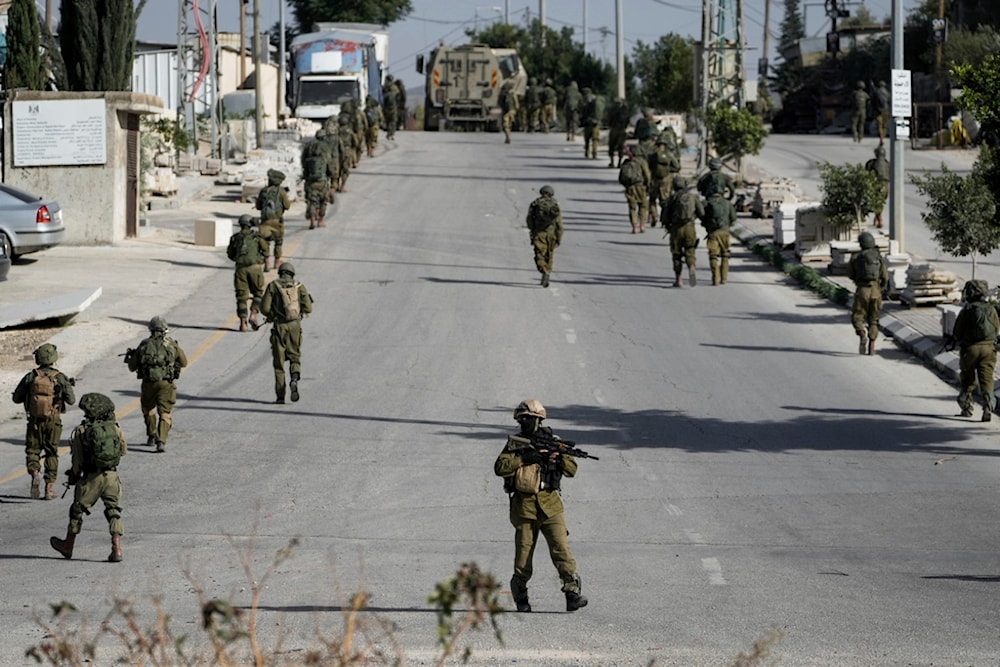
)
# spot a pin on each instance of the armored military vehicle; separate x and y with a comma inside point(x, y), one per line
point(463, 86)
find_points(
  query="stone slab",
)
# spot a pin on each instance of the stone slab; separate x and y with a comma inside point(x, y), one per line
point(62, 307)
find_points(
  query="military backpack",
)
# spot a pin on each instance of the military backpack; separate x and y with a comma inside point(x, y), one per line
point(683, 210)
point(716, 213)
point(982, 325)
point(102, 446)
point(313, 168)
point(290, 300)
point(870, 265)
point(269, 203)
point(41, 402)
point(244, 249)
point(156, 360)
point(631, 173)
point(545, 212)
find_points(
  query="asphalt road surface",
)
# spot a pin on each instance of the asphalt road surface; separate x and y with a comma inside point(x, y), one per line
point(755, 472)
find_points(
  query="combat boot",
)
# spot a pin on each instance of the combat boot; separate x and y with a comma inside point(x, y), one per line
point(871, 347)
point(254, 323)
point(36, 484)
point(987, 414)
point(575, 599)
point(116, 549)
point(678, 281)
point(692, 276)
point(65, 547)
point(50, 490)
point(244, 325)
point(520, 594)
point(294, 386)
point(545, 279)
point(863, 343)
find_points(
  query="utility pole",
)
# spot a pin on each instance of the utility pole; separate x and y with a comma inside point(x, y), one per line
point(282, 57)
point(243, 41)
point(895, 140)
point(722, 68)
point(49, 15)
point(620, 46)
point(258, 76)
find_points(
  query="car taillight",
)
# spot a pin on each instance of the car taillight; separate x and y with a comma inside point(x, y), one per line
point(42, 216)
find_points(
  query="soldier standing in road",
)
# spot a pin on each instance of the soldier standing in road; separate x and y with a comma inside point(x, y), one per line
point(272, 202)
point(390, 110)
point(635, 177)
point(591, 113)
point(285, 303)
point(157, 362)
point(720, 214)
point(548, 106)
point(345, 137)
point(879, 165)
point(533, 105)
point(976, 333)
point(316, 186)
point(868, 271)
point(533, 481)
point(96, 447)
point(248, 250)
point(679, 214)
point(509, 108)
point(545, 227)
point(400, 105)
point(618, 118)
point(663, 164)
point(360, 124)
point(880, 102)
point(45, 392)
point(571, 109)
point(859, 100)
point(331, 149)
point(714, 180)
point(373, 113)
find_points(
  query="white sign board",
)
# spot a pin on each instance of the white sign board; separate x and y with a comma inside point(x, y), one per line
point(63, 132)
point(901, 93)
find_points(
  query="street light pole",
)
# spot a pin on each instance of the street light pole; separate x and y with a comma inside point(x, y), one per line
point(258, 77)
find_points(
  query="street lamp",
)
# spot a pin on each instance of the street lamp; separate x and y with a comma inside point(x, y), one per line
point(493, 8)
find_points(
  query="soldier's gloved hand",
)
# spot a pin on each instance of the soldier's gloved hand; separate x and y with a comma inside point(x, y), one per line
point(529, 456)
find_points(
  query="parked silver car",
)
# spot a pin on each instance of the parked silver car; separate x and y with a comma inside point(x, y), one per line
point(28, 223)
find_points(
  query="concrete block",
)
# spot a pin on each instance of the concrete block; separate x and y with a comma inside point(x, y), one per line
point(949, 313)
point(62, 307)
point(213, 232)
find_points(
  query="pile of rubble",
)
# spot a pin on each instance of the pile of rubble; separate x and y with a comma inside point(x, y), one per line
point(926, 285)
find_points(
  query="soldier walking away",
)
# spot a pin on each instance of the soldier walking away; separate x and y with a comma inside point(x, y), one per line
point(880, 103)
point(591, 113)
point(45, 392)
point(548, 106)
point(345, 148)
point(532, 105)
point(272, 202)
point(509, 107)
point(545, 228)
point(390, 106)
point(157, 362)
point(879, 165)
point(533, 478)
point(400, 106)
point(664, 162)
point(859, 100)
point(285, 303)
point(316, 185)
point(714, 180)
point(635, 177)
point(571, 109)
point(976, 333)
point(248, 250)
point(618, 118)
point(871, 277)
point(678, 216)
point(720, 214)
point(373, 112)
point(97, 446)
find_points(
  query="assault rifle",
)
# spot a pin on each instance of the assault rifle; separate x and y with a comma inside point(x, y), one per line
point(545, 444)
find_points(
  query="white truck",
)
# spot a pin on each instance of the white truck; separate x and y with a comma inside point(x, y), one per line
point(334, 63)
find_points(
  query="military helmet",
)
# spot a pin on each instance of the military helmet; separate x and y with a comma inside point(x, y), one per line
point(97, 406)
point(46, 354)
point(275, 177)
point(715, 164)
point(158, 324)
point(881, 84)
point(343, 119)
point(975, 290)
point(861, 85)
point(246, 220)
point(679, 182)
point(389, 78)
point(547, 190)
point(529, 408)
point(286, 267)
point(866, 240)
point(879, 150)
point(320, 133)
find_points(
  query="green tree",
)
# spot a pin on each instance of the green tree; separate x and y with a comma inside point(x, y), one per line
point(25, 67)
point(961, 213)
point(850, 193)
point(97, 38)
point(792, 26)
point(734, 134)
point(666, 73)
point(383, 12)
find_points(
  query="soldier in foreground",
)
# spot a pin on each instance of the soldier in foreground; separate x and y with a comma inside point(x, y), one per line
point(96, 446)
point(720, 214)
point(272, 202)
point(678, 216)
point(545, 228)
point(532, 478)
point(157, 362)
point(45, 392)
point(871, 276)
point(976, 333)
point(248, 250)
point(285, 303)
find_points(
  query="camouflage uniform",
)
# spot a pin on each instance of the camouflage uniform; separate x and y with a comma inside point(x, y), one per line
point(860, 102)
point(400, 106)
point(617, 126)
point(719, 217)
point(43, 433)
point(637, 195)
point(273, 229)
point(683, 235)
point(509, 108)
point(359, 122)
point(373, 113)
point(315, 174)
point(663, 164)
point(390, 104)
point(977, 349)
point(591, 113)
point(545, 226)
point(548, 105)
point(286, 329)
point(714, 181)
point(571, 109)
point(157, 393)
point(532, 106)
point(646, 150)
point(867, 293)
point(879, 165)
point(248, 280)
point(346, 150)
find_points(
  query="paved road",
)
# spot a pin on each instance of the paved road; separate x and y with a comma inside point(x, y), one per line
point(755, 471)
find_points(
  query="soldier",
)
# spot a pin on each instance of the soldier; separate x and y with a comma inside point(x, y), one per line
point(571, 109)
point(720, 214)
point(400, 105)
point(509, 108)
point(248, 250)
point(96, 446)
point(359, 123)
point(331, 148)
point(373, 114)
point(868, 271)
point(591, 114)
point(548, 106)
point(881, 105)
point(679, 214)
point(618, 118)
point(390, 106)
point(545, 228)
point(879, 165)
point(714, 180)
point(345, 149)
point(272, 202)
point(645, 149)
point(532, 105)
point(976, 333)
point(859, 101)
point(634, 175)
point(663, 164)
point(532, 480)
point(644, 126)
point(157, 362)
point(285, 303)
point(45, 392)
point(316, 185)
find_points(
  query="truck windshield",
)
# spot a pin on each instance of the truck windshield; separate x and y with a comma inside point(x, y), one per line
point(508, 65)
point(319, 91)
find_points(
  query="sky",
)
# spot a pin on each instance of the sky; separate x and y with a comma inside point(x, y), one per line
point(434, 20)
